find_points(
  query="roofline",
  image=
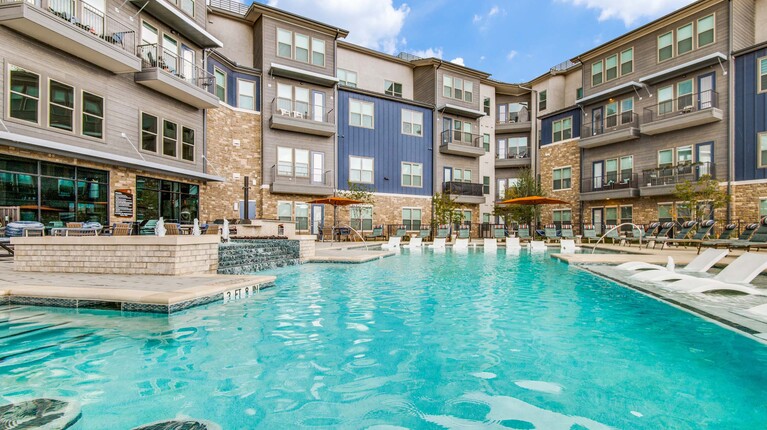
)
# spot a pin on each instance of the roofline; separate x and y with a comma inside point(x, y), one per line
point(387, 97)
point(373, 53)
point(456, 67)
point(750, 49)
point(559, 111)
point(232, 64)
point(651, 26)
point(263, 9)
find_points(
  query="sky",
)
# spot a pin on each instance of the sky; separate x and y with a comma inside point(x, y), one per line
point(513, 40)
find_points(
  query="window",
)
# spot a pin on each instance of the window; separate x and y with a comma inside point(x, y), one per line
point(284, 161)
point(762, 155)
point(24, 94)
point(361, 217)
point(665, 158)
point(542, 100)
point(502, 184)
point(579, 93)
point(611, 67)
point(412, 122)
point(513, 147)
point(284, 43)
point(412, 174)
point(665, 212)
point(361, 113)
point(302, 216)
point(562, 129)
point(665, 46)
point(485, 185)
point(187, 143)
point(393, 88)
point(611, 171)
point(627, 167)
point(684, 95)
point(302, 48)
point(562, 178)
point(562, 217)
point(706, 31)
point(361, 170)
point(627, 61)
point(762, 208)
point(762, 73)
point(486, 142)
point(457, 88)
point(93, 115)
point(486, 105)
point(411, 218)
point(318, 52)
point(627, 110)
point(246, 94)
point(462, 131)
point(148, 132)
point(169, 138)
point(148, 35)
point(285, 211)
point(347, 78)
point(220, 84)
point(611, 216)
point(61, 111)
point(611, 114)
point(485, 218)
point(684, 155)
point(684, 39)
point(665, 100)
point(596, 73)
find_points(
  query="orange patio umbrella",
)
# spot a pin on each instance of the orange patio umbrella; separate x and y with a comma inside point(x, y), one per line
point(334, 201)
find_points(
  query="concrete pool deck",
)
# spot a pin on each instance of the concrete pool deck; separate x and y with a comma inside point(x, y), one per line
point(134, 293)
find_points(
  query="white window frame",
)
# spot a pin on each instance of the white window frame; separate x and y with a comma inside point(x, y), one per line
point(692, 38)
point(282, 170)
point(344, 80)
point(761, 147)
point(412, 118)
point(466, 88)
point(759, 74)
point(622, 62)
point(157, 134)
point(411, 174)
point(240, 94)
point(411, 219)
point(561, 121)
point(83, 114)
point(315, 49)
point(561, 178)
point(393, 92)
point(51, 103)
point(216, 86)
point(601, 73)
point(362, 169)
point(193, 144)
point(361, 209)
point(38, 98)
point(188, 12)
point(658, 47)
point(292, 43)
point(361, 113)
point(617, 68)
point(713, 30)
point(285, 203)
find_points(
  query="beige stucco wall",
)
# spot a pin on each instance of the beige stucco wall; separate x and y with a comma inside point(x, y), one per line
point(487, 161)
point(760, 21)
point(372, 71)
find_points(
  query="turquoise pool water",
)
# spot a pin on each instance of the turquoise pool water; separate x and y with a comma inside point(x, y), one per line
point(418, 341)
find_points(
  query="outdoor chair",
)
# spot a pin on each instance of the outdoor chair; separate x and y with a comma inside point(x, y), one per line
point(567, 232)
point(377, 233)
point(589, 233)
point(443, 232)
point(613, 234)
point(424, 233)
point(758, 239)
point(400, 232)
point(735, 277)
point(644, 235)
point(463, 232)
point(74, 225)
point(499, 233)
point(172, 229)
point(524, 232)
point(213, 229)
point(550, 233)
point(662, 233)
point(704, 229)
point(682, 234)
point(122, 229)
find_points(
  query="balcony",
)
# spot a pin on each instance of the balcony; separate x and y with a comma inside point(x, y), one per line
point(464, 192)
point(297, 179)
point(170, 15)
point(614, 129)
point(517, 122)
point(76, 28)
point(301, 117)
point(167, 73)
point(611, 186)
point(663, 180)
point(455, 142)
point(687, 111)
point(515, 157)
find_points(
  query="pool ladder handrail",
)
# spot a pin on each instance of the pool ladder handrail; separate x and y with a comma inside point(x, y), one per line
point(641, 233)
point(357, 233)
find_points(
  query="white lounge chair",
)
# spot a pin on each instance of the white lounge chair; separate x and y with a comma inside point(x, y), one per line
point(394, 243)
point(760, 310)
point(735, 277)
point(490, 245)
point(537, 245)
point(567, 246)
point(699, 264)
point(513, 243)
point(461, 244)
point(415, 242)
point(439, 243)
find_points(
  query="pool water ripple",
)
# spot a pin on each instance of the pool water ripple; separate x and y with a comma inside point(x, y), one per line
point(415, 341)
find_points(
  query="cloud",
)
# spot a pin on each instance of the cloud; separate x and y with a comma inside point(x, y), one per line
point(482, 58)
point(375, 24)
point(458, 61)
point(510, 56)
point(428, 53)
point(483, 20)
point(493, 11)
point(629, 11)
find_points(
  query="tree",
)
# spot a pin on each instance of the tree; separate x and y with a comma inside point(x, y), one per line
point(445, 210)
point(526, 185)
point(701, 196)
point(362, 193)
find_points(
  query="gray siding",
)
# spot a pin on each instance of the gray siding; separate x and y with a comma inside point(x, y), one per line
point(258, 49)
point(423, 84)
point(743, 31)
point(269, 47)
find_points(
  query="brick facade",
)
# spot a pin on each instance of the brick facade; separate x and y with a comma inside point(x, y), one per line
point(745, 201)
point(563, 154)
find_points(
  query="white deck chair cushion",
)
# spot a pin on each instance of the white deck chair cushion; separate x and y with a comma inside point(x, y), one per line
point(439, 243)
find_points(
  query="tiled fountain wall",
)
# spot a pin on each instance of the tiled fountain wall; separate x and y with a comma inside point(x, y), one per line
point(253, 255)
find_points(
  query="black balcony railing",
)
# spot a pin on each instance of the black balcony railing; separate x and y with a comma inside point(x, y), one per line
point(285, 172)
point(302, 110)
point(523, 115)
point(153, 55)
point(609, 182)
point(681, 105)
point(462, 188)
point(672, 175)
point(610, 124)
point(460, 137)
point(88, 18)
point(514, 153)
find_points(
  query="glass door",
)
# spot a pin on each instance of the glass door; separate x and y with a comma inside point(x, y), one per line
point(187, 68)
point(706, 91)
point(596, 121)
point(704, 154)
point(318, 108)
point(597, 217)
point(597, 170)
point(318, 218)
point(318, 168)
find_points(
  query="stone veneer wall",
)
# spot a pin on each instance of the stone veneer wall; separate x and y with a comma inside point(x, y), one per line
point(745, 201)
point(252, 255)
point(234, 151)
point(553, 156)
point(130, 255)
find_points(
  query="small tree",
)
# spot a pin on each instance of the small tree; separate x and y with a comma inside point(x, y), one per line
point(527, 185)
point(445, 210)
point(360, 192)
point(699, 194)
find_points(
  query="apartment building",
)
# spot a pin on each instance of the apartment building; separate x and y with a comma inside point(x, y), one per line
point(103, 109)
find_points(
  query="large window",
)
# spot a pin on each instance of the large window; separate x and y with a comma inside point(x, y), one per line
point(411, 218)
point(762, 74)
point(174, 201)
point(627, 61)
point(665, 46)
point(361, 217)
point(412, 174)
point(292, 162)
point(627, 110)
point(361, 170)
point(665, 100)
point(684, 39)
point(220, 84)
point(66, 193)
point(302, 216)
point(284, 43)
point(665, 212)
point(542, 100)
point(361, 113)
point(611, 114)
point(347, 78)
point(61, 106)
point(285, 211)
point(562, 129)
point(293, 101)
point(562, 217)
point(24, 95)
point(706, 31)
point(684, 95)
point(188, 7)
point(393, 88)
point(761, 156)
point(457, 88)
point(513, 147)
point(412, 122)
point(93, 115)
point(596, 73)
point(187, 144)
point(513, 112)
point(318, 52)
point(562, 178)
point(665, 158)
point(611, 67)
point(300, 47)
point(169, 138)
point(246, 94)
point(148, 132)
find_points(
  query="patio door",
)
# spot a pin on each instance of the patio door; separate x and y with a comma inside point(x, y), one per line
point(597, 217)
point(447, 129)
point(318, 106)
point(597, 170)
point(704, 153)
point(318, 218)
point(318, 168)
point(596, 121)
point(187, 68)
point(706, 88)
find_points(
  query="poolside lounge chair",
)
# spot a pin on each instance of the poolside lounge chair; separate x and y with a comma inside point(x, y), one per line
point(567, 232)
point(613, 234)
point(645, 235)
point(743, 238)
point(499, 233)
point(735, 277)
point(524, 232)
point(464, 232)
point(424, 233)
point(682, 234)
point(461, 243)
point(400, 232)
point(415, 242)
point(704, 229)
point(665, 228)
point(537, 245)
point(729, 229)
point(439, 243)
point(589, 233)
point(513, 243)
point(490, 245)
point(394, 242)
point(550, 233)
point(699, 264)
point(567, 246)
point(376, 234)
point(148, 227)
point(758, 239)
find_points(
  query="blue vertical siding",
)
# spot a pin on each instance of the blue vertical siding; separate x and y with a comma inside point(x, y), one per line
point(750, 116)
point(546, 125)
point(231, 83)
point(385, 144)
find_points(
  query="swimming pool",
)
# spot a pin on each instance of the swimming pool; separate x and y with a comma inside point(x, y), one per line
point(419, 340)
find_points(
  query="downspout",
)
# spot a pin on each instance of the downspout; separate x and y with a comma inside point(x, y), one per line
point(730, 115)
point(435, 135)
